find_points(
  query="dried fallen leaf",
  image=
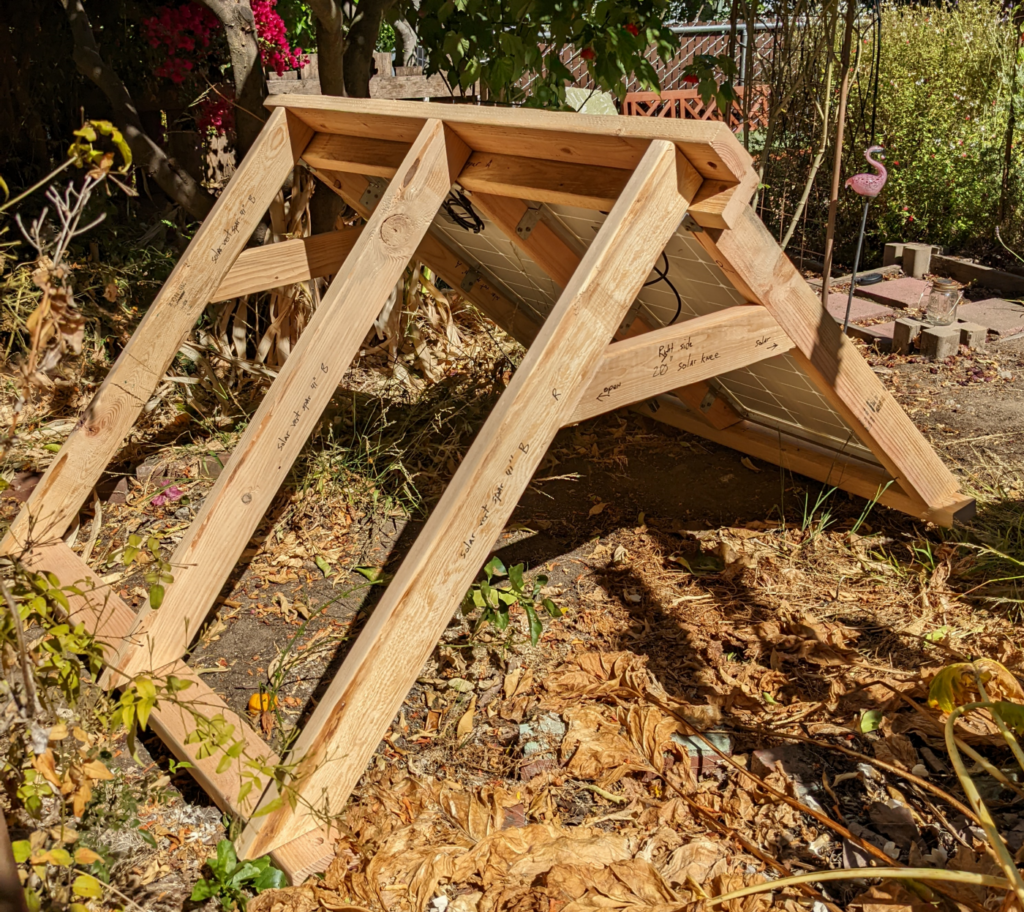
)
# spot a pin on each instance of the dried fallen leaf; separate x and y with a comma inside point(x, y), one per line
point(597, 508)
point(747, 464)
point(465, 728)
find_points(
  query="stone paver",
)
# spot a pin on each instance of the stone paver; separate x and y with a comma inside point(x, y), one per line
point(902, 293)
point(995, 314)
point(860, 310)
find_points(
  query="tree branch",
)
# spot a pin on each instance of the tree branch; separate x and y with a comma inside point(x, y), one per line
point(174, 181)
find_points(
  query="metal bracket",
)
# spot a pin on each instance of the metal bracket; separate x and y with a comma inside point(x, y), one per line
point(529, 220)
point(631, 315)
point(375, 188)
point(470, 279)
point(690, 224)
point(709, 400)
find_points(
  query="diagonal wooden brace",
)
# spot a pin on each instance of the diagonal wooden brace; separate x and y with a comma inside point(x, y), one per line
point(138, 371)
point(293, 405)
point(354, 714)
point(748, 254)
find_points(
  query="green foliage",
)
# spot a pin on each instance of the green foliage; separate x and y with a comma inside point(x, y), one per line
point(502, 44)
point(945, 91)
point(230, 878)
point(502, 590)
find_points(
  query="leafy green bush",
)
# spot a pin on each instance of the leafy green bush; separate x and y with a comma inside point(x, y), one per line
point(944, 95)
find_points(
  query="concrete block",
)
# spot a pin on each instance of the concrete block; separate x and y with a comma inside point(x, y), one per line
point(893, 255)
point(1003, 317)
point(901, 293)
point(905, 333)
point(917, 259)
point(880, 334)
point(940, 342)
point(973, 335)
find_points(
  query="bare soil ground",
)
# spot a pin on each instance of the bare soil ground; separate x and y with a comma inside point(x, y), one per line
point(699, 592)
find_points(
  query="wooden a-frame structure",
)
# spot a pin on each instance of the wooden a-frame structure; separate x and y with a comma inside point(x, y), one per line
point(395, 163)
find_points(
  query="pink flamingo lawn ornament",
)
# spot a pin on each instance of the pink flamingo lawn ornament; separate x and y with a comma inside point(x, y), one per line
point(868, 186)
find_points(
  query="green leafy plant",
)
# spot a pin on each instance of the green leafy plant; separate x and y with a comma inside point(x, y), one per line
point(503, 589)
point(159, 574)
point(230, 878)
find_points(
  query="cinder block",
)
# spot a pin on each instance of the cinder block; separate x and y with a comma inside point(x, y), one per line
point(973, 335)
point(917, 259)
point(893, 255)
point(905, 332)
point(940, 342)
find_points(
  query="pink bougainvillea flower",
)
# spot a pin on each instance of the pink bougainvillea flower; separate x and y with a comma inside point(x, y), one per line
point(169, 495)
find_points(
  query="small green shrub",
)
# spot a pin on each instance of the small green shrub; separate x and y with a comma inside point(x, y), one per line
point(230, 878)
point(502, 590)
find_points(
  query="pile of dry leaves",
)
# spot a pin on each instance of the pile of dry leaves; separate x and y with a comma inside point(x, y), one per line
point(636, 811)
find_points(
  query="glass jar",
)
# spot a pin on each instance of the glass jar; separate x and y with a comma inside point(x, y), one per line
point(943, 298)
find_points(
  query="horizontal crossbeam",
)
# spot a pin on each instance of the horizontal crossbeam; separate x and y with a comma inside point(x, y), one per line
point(274, 265)
point(603, 142)
point(662, 360)
point(592, 187)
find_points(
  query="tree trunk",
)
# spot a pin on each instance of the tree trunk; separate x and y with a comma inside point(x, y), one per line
point(325, 206)
point(406, 39)
point(361, 41)
point(174, 181)
point(345, 57)
point(246, 69)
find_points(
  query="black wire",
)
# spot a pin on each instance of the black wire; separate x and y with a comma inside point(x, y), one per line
point(663, 277)
point(469, 220)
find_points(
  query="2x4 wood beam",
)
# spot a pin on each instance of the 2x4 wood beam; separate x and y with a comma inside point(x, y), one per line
point(358, 707)
point(289, 411)
point(109, 619)
point(594, 141)
point(661, 360)
point(520, 177)
point(273, 265)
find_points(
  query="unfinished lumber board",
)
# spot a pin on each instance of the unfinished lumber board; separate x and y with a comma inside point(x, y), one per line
point(141, 365)
point(749, 255)
point(796, 455)
point(293, 405)
point(360, 703)
point(658, 361)
point(588, 187)
point(719, 203)
point(275, 265)
point(450, 266)
point(356, 154)
point(108, 618)
point(562, 137)
point(542, 245)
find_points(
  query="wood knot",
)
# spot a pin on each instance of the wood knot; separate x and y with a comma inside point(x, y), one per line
point(396, 231)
